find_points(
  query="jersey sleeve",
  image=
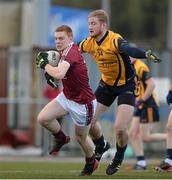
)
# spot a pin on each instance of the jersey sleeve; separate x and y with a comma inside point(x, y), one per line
point(125, 47)
point(144, 73)
point(81, 45)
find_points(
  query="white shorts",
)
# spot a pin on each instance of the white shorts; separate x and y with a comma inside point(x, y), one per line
point(81, 114)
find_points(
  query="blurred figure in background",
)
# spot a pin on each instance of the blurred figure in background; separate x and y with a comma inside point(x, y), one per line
point(76, 99)
point(145, 115)
point(166, 164)
point(111, 53)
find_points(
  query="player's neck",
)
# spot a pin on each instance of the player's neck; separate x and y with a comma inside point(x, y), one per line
point(98, 38)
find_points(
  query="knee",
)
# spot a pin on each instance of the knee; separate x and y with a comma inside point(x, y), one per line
point(95, 130)
point(133, 134)
point(41, 119)
point(169, 128)
point(120, 130)
point(145, 137)
point(120, 133)
point(121, 137)
point(80, 139)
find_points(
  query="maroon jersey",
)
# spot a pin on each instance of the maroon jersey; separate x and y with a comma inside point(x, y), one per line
point(76, 82)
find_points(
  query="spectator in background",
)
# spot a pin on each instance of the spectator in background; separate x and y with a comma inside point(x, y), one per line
point(145, 115)
point(166, 164)
point(111, 53)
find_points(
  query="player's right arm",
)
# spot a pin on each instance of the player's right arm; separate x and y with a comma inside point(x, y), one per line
point(58, 72)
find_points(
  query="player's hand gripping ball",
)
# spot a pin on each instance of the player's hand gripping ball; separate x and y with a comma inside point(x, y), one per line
point(41, 60)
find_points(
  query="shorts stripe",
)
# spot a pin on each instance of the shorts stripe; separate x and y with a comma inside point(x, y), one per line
point(89, 113)
point(150, 115)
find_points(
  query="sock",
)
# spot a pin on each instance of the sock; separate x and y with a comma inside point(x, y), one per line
point(140, 158)
point(120, 151)
point(99, 142)
point(169, 161)
point(90, 160)
point(169, 153)
point(60, 135)
point(141, 161)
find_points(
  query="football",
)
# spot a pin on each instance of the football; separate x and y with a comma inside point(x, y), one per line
point(53, 58)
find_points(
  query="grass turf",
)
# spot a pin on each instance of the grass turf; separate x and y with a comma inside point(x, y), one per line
point(68, 170)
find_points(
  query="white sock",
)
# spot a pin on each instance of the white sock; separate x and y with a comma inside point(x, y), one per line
point(142, 163)
point(169, 161)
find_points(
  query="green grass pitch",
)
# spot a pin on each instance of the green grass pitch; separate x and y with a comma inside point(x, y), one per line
point(68, 170)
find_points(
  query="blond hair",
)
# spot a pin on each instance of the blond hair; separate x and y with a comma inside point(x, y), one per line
point(101, 15)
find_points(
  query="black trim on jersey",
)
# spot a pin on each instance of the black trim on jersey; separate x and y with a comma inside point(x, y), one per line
point(82, 44)
point(119, 74)
point(78, 43)
point(103, 38)
point(115, 44)
point(145, 76)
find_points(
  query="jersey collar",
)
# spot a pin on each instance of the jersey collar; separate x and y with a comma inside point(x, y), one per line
point(103, 38)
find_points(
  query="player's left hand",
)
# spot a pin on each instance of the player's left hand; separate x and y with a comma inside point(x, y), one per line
point(169, 98)
point(41, 60)
point(152, 57)
point(50, 80)
point(139, 102)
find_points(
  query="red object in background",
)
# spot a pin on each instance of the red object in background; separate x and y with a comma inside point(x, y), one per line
point(50, 92)
point(15, 138)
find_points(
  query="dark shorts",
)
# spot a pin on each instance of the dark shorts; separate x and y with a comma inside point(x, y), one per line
point(148, 114)
point(106, 94)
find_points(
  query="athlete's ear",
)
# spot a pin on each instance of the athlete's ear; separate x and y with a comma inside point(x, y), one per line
point(71, 38)
point(104, 25)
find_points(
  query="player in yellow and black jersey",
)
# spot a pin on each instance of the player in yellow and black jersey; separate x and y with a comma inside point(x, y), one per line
point(146, 113)
point(142, 75)
point(115, 67)
point(111, 53)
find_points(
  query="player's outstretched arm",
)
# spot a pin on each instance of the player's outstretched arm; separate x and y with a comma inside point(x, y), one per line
point(135, 52)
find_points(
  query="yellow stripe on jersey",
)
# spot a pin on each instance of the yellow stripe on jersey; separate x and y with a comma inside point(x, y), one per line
point(150, 114)
point(140, 68)
point(108, 58)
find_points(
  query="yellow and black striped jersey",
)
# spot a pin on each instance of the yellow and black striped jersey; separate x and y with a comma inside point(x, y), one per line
point(143, 74)
point(115, 67)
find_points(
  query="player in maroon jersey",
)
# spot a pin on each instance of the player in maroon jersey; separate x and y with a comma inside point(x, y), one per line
point(77, 98)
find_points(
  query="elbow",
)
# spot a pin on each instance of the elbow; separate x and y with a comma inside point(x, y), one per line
point(150, 83)
point(153, 85)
